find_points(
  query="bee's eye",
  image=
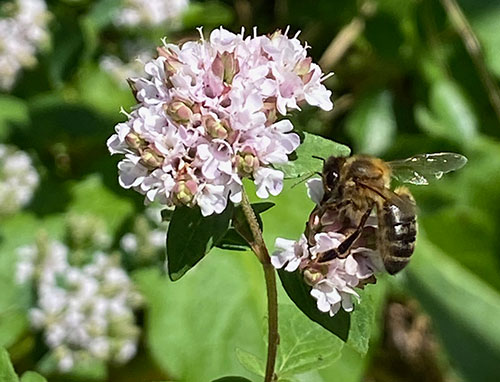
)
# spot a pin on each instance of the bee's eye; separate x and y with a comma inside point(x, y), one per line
point(331, 179)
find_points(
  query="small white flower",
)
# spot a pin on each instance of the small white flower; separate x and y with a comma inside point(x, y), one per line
point(18, 179)
point(151, 12)
point(21, 35)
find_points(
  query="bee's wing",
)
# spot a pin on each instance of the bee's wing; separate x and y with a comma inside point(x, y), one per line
point(419, 169)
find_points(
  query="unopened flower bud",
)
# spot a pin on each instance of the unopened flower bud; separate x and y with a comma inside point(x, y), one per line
point(312, 276)
point(151, 158)
point(225, 66)
point(215, 127)
point(269, 109)
point(246, 163)
point(179, 111)
point(184, 191)
point(172, 63)
point(134, 141)
point(303, 67)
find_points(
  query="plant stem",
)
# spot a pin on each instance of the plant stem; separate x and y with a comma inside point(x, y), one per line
point(260, 249)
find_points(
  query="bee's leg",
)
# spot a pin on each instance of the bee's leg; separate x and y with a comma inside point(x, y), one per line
point(344, 247)
point(347, 243)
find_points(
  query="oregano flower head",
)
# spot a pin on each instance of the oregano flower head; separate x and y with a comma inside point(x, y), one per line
point(210, 113)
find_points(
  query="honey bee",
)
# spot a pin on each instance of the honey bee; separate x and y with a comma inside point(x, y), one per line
point(357, 185)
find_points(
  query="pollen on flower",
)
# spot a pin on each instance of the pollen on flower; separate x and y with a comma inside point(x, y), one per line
point(209, 114)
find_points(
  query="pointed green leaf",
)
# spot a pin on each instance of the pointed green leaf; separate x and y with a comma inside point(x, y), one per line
point(232, 379)
point(7, 373)
point(304, 346)
point(31, 376)
point(191, 235)
point(251, 362)
point(302, 162)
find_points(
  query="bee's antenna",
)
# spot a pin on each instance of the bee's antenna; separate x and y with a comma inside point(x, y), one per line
point(317, 157)
point(304, 179)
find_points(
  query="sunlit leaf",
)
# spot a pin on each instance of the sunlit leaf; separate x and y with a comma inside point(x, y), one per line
point(251, 362)
point(304, 346)
point(194, 325)
point(7, 373)
point(303, 162)
point(31, 376)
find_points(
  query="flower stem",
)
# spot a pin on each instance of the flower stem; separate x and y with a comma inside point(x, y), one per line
point(260, 249)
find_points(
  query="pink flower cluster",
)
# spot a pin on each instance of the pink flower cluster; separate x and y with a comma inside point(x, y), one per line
point(333, 282)
point(208, 115)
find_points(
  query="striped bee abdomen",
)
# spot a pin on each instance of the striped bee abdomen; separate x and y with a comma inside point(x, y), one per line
point(397, 231)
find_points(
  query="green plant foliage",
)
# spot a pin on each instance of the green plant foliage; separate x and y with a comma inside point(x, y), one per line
point(13, 111)
point(304, 346)
point(303, 161)
point(239, 235)
point(372, 124)
point(31, 376)
point(452, 116)
point(299, 293)
point(251, 362)
point(462, 307)
point(190, 237)
point(194, 325)
point(231, 379)
point(7, 373)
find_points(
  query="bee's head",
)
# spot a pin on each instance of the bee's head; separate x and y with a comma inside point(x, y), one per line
point(331, 172)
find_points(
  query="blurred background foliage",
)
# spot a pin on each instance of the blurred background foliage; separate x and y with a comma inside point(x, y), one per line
point(405, 83)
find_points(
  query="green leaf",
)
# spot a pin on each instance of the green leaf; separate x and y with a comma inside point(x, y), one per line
point(12, 111)
point(451, 116)
point(372, 124)
point(302, 162)
point(363, 319)
point(7, 373)
point(31, 376)
point(463, 308)
point(232, 379)
point(13, 323)
point(194, 325)
point(191, 235)
point(251, 362)
point(299, 293)
point(304, 346)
